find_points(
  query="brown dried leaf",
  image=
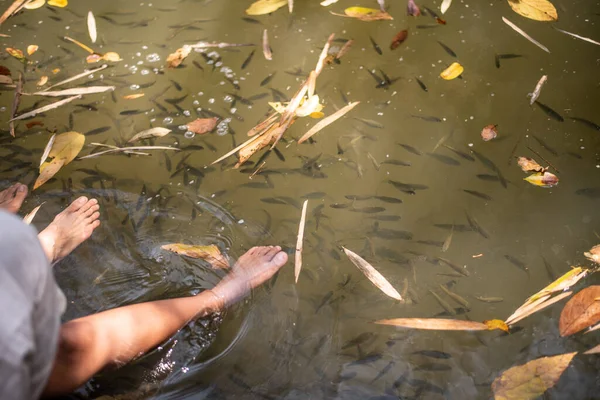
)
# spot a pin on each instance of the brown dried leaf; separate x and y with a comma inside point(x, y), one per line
point(6, 80)
point(530, 165)
point(582, 311)
point(32, 48)
point(539, 10)
point(4, 70)
point(16, 53)
point(489, 132)
point(435, 324)
point(210, 253)
point(201, 126)
point(373, 275)
point(594, 254)
point(496, 324)
point(270, 136)
point(531, 380)
point(43, 80)
point(65, 148)
point(399, 39)
point(175, 59)
point(545, 180)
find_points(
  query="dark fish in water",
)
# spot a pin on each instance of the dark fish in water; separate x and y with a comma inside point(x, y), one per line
point(97, 131)
point(324, 301)
point(459, 153)
point(358, 197)
point(433, 354)
point(478, 194)
point(251, 20)
point(499, 57)
point(434, 243)
point(258, 96)
point(545, 146)
point(427, 26)
point(340, 205)
point(167, 162)
point(386, 199)
point(314, 195)
point(424, 386)
point(176, 100)
point(132, 112)
point(457, 268)
point(433, 367)
point(375, 46)
point(197, 65)
point(248, 59)
point(391, 234)
point(421, 84)
point(443, 303)
point(368, 210)
point(279, 154)
point(369, 358)
point(488, 177)
point(575, 155)
point(360, 339)
point(176, 85)
point(278, 95)
point(447, 49)
point(386, 217)
point(410, 149)
point(592, 193)
point(486, 161)
point(444, 159)
point(475, 226)
point(457, 228)
point(384, 371)
point(273, 200)
point(586, 122)
point(517, 263)
point(268, 79)
point(409, 188)
point(397, 162)
point(392, 255)
point(550, 112)
point(370, 123)
point(428, 118)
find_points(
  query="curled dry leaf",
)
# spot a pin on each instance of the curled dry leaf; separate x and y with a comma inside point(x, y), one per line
point(210, 253)
point(133, 96)
point(31, 215)
point(531, 380)
point(545, 179)
point(91, 24)
point(93, 58)
point(201, 126)
point(539, 10)
point(33, 4)
point(452, 72)
point(566, 281)
point(530, 165)
point(594, 254)
point(111, 56)
point(373, 275)
point(32, 48)
point(58, 3)
point(16, 53)
point(399, 39)
point(175, 59)
point(412, 9)
point(4, 71)
point(365, 14)
point(149, 133)
point(489, 132)
point(43, 80)
point(435, 324)
point(262, 7)
point(64, 150)
point(445, 6)
point(581, 312)
point(496, 324)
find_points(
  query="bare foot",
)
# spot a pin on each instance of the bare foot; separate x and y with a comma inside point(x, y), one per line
point(12, 198)
point(70, 228)
point(252, 269)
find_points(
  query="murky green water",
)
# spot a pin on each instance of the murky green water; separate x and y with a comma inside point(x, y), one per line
point(291, 341)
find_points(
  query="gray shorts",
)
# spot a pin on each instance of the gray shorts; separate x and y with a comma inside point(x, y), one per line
point(31, 305)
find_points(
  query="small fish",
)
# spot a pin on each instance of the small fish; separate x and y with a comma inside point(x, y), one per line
point(369, 155)
point(375, 46)
point(550, 112)
point(448, 240)
point(486, 161)
point(368, 359)
point(428, 26)
point(538, 89)
point(340, 205)
point(459, 299)
point(248, 59)
point(457, 268)
point(268, 79)
point(478, 194)
point(176, 100)
point(132, 112)
point(384, 371)
point(459, 153)
point(489, 299)
point(251, 20)
point(370, 123)
point(443, 303)
point(592, 192)
point(586, 122)
point(476, 227)
point(433, 367)
point(386, 217)
point(368, 210)
point(386, 199)
point(517, 263)
point(97, 131)
point(424, 386)
point(391, 234)
point(314, 195)
point(197, 65)
point(545, 146)
point(444, 159)
point(499, 57)
point(399, 163)
point(409, 188)
point(176, 85)
point(410, 149)
point(434, 243)
point(360, 339)
point(358, 197)
point(421, 84)
point(324, 301)
point(428, 118)
point(433, 354)
point(447, 49)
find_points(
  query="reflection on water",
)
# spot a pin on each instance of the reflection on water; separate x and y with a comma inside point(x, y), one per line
point(403, 180)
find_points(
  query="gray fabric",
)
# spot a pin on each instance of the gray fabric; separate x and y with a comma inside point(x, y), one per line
point(30, 308)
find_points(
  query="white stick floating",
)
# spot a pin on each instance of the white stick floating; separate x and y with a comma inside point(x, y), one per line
point(47, 149)
point(445, 6)
point(538, 89)
point(579, 37)
point(91, 23)
point(46, 108)
point(128, 149)
point(299, 243)
point(29, 217)
point(525, 35)
point(75, 91)
point(78, 76)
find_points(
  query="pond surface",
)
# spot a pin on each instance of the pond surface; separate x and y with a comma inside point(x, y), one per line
point(315, 339)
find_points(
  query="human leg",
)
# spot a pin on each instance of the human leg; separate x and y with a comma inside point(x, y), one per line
point(12, 198)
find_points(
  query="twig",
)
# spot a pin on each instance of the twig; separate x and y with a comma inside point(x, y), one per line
point(299, 243)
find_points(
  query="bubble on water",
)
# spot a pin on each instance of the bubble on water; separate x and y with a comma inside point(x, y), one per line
point(182, 127)
point(223, 127)
point(241, 221)
point(2, 109)
point(211, 101)
point(145, 72)
point(167, 120)
point(145, 47)
point(138, 54)
point(187, 113)
point(199, 109)
point(140, 62)
point(213, 54)
point(133, 69)
point(153, 57)
point(195, 102)
point(222, 83)
point(189, 135)
point(134, 87)
point(228, 99)
point(233, 110)
point(200, 93)
point(218, 63)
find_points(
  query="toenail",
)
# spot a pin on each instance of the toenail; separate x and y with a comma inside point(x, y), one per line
point(22, 188)
point(279, 258)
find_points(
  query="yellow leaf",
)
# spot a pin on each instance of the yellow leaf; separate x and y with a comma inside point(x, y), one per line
point(16, 53)
point(58, 3)
point(317, 115)
point(262, 7)
point(33, 4)
point(210, 253)
point(111, 56)
point(175, 59)
point(560, 284)
point(32, 48)
point(93, 58)
point(367, 14)
point(546, 179)
point(64, 150)
point(496, 324)
point(56, 71)
point(309, 106)
point(42, 81)
point(452, 72)
point(531, 380)
point(539, 10)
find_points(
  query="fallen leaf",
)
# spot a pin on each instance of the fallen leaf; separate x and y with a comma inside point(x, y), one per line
point(373, 275)
point(210, 253)
point(538, 305)
point(175, 59)
point(539, 10)
point(58, 3)
point(111, 56)
point(530, 165)
point(309, 107)
point(594, 350)
point(452, 72)
point(412, 9)
point(399, 39)
point(149, 133)
point(435, 324)
point(594, 254)
point(580, 312)
point(32, 48)
point(327, 121)
point(445, 6)
point(4, 70)
point(545, 179)
point(43, 80)
point(16, 5)
point(531, 380)
point(31, 124)
point(45, 108)
point(16, 53)
point(299, 242)
point(56, 71)
point(496, 324)
point(489, 132)
point(47, 149)
point(562, 283)
point(64, 150)
point(262, 7)
point(33, 4)
point(31, 215)
point(200, 126)
point(365, 14)
point(133, 96)
point(91, 24)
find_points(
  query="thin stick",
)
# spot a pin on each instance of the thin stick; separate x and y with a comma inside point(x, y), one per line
point(78, 43)
point(11, 10)
point(78, 76)
point(542, 157)
point(257, 169)
point(46, 108)
point(73, 91)
point(127, 149)
point(540, 307)
point(327, 120)
point(299, 243)
point(525, 35)
point(578, 37)
point(247, 142)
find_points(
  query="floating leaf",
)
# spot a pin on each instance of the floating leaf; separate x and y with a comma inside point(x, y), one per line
point(594, 350)
point(563, 283)
point(45, 108)
point(175, 59)
point(33, 4)
point(445, 6)
point(399, 39)
point(210, 253)
point(58, 3)
point(300, 242)
point(32, 48)
point(435, 324)
point(525, 35)
point(373, 275)
point(489, 132)
point(582, 311)
point(14, 7)
point(365, 14)
point(531, 380)
point(452, 72)
point(326, 121)
point(16, 53)
point(262, 7)
point(91, 24)
point(545, 179)
point(64, 150)
point(539, 10)
point(149, 133)
point(47, 149)
point(111, 56)
point(496, 324)
point(594, 254)
point(200, 126)
point(4, 70)
point(530, 165)
point(31, 215)
point(531, 308)
point(6, 80)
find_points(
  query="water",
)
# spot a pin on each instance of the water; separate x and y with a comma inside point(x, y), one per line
point(287, 340)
